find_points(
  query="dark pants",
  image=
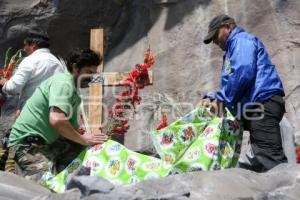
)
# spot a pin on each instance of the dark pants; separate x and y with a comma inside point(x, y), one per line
point(265, 136)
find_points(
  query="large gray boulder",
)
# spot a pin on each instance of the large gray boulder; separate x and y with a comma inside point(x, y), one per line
point(215, 185)
point(13, 187)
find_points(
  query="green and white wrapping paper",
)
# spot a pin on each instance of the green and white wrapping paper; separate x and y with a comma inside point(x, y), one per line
point(112, 161)
point(198, 141)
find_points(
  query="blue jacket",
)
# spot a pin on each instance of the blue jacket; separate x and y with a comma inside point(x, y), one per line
point(248, 74)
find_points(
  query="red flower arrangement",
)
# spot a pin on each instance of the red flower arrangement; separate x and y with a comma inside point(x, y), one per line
point(9, 67)
point(129, 98)
point(10, 64)
point(298, 154)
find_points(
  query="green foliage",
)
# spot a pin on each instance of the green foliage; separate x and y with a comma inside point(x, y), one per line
point(6, 59)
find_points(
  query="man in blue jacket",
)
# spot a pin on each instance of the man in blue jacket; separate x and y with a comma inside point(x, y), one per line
point(250, 88)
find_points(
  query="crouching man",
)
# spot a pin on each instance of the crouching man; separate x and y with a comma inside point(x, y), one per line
point(40, 138)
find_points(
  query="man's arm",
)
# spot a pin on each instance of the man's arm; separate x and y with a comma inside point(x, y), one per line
point(60, 122)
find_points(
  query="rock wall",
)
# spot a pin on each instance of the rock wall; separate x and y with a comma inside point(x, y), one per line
point(186, 68)
point(67, 22)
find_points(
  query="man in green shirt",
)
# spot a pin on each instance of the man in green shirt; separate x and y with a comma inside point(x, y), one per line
point(38, 140)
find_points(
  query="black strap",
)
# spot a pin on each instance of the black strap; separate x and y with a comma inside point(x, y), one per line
point(35, 140)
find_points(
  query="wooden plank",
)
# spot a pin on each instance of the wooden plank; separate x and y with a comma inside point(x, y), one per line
point(95, 89)
point(95, 107)
point(97, 45)
point(114, 78)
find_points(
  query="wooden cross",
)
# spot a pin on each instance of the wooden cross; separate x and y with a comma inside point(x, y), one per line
point(96, 89)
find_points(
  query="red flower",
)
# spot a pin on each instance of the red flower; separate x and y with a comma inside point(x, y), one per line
point(10, 65)
point(8, 71)
point(137, 80)
point(298, 154)
point(125, 93)
point(139, 66)
point(134, 74)
point(136, 99)
point(163, 123)
point(124, 122)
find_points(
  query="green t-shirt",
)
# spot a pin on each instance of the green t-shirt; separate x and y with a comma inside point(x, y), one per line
point(57, 91)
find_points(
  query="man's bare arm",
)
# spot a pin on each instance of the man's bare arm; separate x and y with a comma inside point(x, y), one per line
point(60, 122)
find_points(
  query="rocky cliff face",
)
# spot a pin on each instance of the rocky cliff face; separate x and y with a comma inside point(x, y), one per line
point(186, 68)
point(67, 22)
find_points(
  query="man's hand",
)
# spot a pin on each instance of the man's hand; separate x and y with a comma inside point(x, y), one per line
point(58, 119)
point(216, 107)
point(204, 102)
point(93, 139)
